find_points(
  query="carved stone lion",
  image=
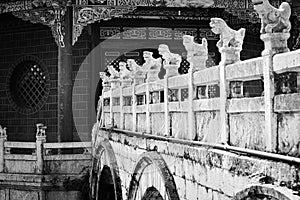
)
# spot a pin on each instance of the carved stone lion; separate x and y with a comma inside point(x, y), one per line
point(135, 68)
point(169, 57)
point(228, 36)
point(104, 77)
point(124, 72)
point(150, 62)
point(273, 20)
point(114, 74)
point(193, 48)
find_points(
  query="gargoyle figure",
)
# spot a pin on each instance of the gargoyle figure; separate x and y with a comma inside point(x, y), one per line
point(114, 74)
point(228, 36)
point(273, 20)
point(104, 77)
point(135, 68)
point(150, 62)
point(193, 48)
point(2, 131)
point(124, 72)
point(169, 57)
point(40, 129)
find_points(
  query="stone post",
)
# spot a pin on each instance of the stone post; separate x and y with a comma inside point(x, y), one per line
point(137, 80)
point(166, 108)
point(274, 33)
point(3, 138)
point(191, 113)
point(275, 43)
point(148, 121)
point(133, 106)
point(171, 70)
point(171, 60)
point(230, 46)
point(40, 140)
point(121, 108)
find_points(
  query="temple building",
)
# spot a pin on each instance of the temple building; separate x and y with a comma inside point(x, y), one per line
point(53, 50)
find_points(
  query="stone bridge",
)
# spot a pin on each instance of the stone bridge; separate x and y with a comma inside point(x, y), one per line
point(135, 166)
point(225, 132)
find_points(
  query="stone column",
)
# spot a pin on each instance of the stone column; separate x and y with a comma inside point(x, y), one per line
point(3, 138)
point(40, 140)
point(65, 83)
point(230, 46)
point(274, 33)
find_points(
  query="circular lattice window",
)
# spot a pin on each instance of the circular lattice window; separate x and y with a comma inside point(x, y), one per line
point(28, 86)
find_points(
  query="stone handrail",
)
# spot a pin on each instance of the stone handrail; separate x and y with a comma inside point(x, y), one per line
point(34, 161)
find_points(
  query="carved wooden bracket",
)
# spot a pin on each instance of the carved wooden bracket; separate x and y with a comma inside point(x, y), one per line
point(52, 17)
point(84, 15)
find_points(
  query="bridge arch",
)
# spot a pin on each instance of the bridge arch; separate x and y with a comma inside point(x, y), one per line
point(145, 160)
point(261, 192)
point(105, 171)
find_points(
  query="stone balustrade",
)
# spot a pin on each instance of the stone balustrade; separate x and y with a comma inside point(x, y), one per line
point(218, 104)
point(41, 157)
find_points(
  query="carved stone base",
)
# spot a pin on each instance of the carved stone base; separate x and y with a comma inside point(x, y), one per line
point(139, 80)
point(229, 55)
point(275, 43)
point(171, 70)
point(152, 75)
point(126, 82)
point(115, 83)
point(197, 62)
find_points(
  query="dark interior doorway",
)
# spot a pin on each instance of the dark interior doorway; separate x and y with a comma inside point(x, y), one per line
point(106, 190)
point(152, 194)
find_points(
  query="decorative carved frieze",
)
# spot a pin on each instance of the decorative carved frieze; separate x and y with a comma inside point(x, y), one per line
point(179, 32)
point(84, 15)
point(134, 33)
point(23, 5)
point(110, 32)
point(160, 33)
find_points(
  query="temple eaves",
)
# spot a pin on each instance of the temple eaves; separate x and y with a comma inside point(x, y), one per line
point(51, 12)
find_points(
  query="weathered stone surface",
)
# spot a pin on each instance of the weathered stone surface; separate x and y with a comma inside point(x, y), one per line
point(107, 119)
point(116, 120)
point(288, 133)
point(66, 166)
point(128, 122)
point(241, 105)
point(55, 195)
point(243, 136)
point(141, 122)
point(287, 103)
point(208, 126)
point(179, 124)
point(20, 166)
point(158, 124)
point(26, 195)
point(198, 172)
point(288, 61)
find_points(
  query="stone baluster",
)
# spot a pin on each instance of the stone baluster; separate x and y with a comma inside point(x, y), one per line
point(166, 108)
point(275, 27)
point(197, 54)
point(230, 46)
point(40, 140)
point(3, 138)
